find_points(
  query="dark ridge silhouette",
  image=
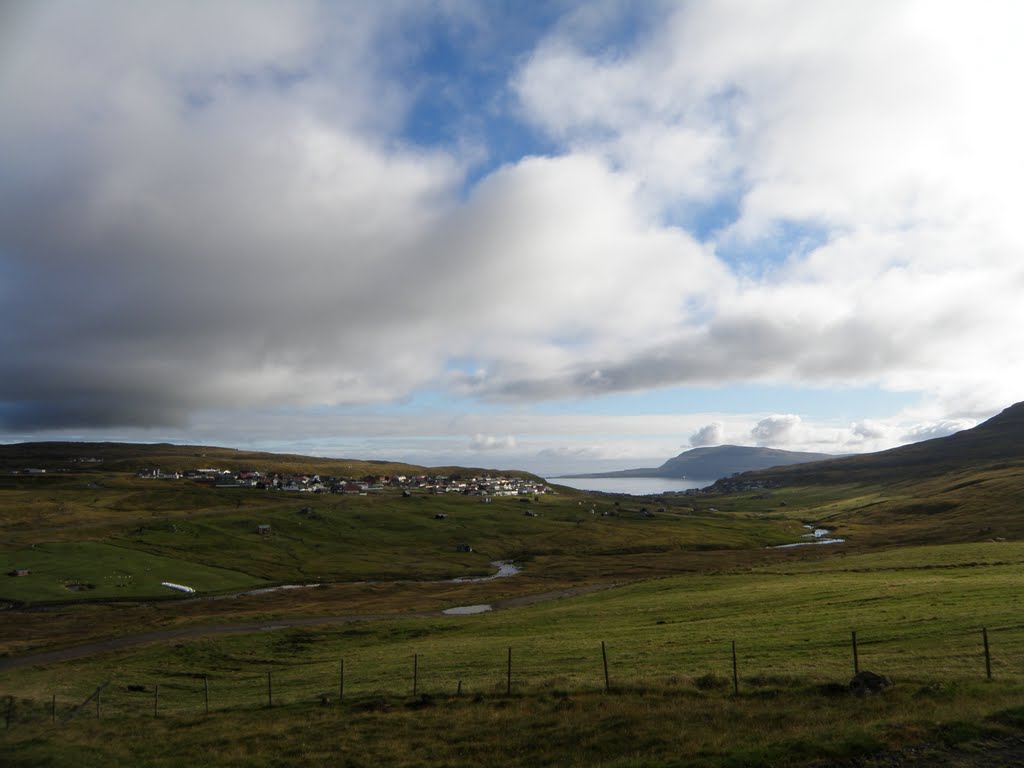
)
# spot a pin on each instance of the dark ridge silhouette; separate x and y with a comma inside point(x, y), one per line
point(131, 457)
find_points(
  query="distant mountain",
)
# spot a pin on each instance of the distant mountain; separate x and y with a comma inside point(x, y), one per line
point(995, 443)
point(719, 461)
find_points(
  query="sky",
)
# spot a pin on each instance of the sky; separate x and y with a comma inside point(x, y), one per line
point(556, 236)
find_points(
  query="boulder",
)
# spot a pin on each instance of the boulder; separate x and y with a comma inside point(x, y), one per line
point(868, 682)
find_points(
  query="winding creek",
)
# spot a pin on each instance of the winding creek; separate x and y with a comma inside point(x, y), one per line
point(506, 568)
point(816, 536)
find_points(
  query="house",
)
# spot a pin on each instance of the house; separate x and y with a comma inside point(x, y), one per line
point(263, 529)
point(463, 548)
point(155, 473)
point(19, 572)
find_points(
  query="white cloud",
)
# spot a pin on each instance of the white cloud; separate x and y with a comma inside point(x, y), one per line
point(223, 204)
point(942, 428)
point(776, 430)
point(878, 126)
point(492, 443)
point(709, 434)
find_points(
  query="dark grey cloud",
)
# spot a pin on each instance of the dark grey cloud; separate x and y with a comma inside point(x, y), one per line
point(161, 253)
point(727, 348)
point(100, 412)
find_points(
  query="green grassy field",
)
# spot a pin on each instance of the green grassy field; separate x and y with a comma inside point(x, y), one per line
point(669, 650)
point(927, 564)
point(917, 616)
point(115, 532)
point(59, 571)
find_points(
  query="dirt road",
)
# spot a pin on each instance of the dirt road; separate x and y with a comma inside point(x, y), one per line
point(206, 630)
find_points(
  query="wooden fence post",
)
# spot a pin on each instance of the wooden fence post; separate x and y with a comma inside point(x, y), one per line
point(341, 680)
point(206, 693)
point(99, 695)
point(88, 700)
point(735, 671)
point(270, 691)
point(604, 658)
point(508, 678)
point(988, 658)
point(415, 672)
point(53, 709)
point(856, 661)
point(156, 700)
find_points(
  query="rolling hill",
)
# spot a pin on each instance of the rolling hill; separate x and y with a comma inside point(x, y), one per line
point(961, 488)
point(995, 444)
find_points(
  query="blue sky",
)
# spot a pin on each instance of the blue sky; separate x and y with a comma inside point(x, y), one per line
point(555, 236)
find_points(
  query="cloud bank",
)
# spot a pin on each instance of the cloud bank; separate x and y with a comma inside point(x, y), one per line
point(238, 206)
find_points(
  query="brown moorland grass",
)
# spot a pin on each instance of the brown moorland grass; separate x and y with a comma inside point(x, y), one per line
point(790, 724)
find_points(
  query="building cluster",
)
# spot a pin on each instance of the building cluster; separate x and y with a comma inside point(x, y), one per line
point(485, 485)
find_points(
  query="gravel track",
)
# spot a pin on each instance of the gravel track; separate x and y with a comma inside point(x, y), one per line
point(206, 630)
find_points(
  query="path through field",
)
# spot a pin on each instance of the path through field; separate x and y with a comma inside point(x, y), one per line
point(204, 630)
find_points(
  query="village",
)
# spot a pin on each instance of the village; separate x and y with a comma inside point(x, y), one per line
point(485, 485)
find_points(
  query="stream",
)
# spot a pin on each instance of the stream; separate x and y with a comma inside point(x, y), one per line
point(816, 536)
point(505, 569)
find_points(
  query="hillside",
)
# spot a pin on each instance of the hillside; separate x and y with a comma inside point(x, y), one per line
point(322, 620)
point(995, 444)
point(718, 461)
point(960, 488)
point(131, 457)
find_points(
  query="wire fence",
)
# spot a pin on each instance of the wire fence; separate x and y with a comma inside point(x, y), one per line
point(533, 665)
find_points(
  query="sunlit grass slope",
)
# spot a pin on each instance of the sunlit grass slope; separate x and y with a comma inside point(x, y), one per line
point(918, 617)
